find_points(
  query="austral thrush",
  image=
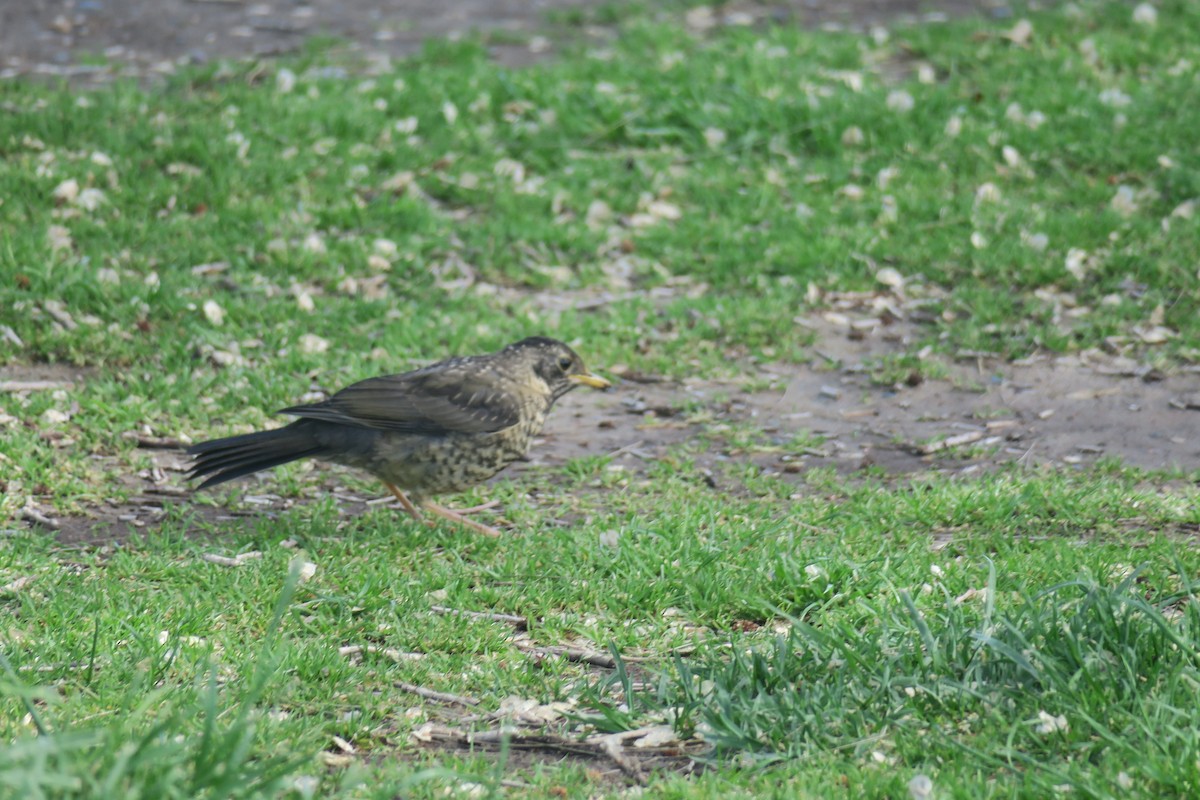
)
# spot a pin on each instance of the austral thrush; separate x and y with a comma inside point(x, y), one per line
point(442, 428)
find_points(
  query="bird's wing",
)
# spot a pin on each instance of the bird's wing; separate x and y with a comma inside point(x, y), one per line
point(427, 402)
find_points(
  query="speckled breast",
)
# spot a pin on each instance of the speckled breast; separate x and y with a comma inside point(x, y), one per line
point(425, 466)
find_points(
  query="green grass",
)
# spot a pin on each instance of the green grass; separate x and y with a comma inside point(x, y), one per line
point(849, 633)
point(139, 645)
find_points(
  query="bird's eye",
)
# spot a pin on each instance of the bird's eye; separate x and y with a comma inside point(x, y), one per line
point(564, 363)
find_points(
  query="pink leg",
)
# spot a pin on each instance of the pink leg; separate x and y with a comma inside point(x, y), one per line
point(455, 516)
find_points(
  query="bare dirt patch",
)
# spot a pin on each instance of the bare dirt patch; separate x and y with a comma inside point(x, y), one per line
point(1059, 410)
point(96, 40)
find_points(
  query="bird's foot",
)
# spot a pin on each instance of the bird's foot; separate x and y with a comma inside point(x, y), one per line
point(457, 516)
point(490, 504)
point(404, 501)
point(446, 513)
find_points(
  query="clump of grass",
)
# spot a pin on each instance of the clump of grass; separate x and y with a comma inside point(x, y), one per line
point(1078, 684)
point(176, 740)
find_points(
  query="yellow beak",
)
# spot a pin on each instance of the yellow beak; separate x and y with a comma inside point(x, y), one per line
point(588, 379)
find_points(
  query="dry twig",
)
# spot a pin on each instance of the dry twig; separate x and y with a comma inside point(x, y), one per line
point(520, 623)
point(38, 518)
point(431, 694)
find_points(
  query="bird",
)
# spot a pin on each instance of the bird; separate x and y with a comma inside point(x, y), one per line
point(439, 429)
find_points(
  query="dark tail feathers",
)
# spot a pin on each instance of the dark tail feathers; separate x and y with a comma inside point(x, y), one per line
point(225, 459)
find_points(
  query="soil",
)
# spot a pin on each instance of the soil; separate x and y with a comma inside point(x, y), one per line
point(93, 40)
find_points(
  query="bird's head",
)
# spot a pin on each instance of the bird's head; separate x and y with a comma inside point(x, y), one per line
point(558, 365)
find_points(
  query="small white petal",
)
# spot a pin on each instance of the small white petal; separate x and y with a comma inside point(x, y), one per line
point(714, 137)
point(1021, 32)
point(664, 210)
point(507, 167)
point(66, 191)
point(598, 213)
point(1087, 48)
point(889, 210)
point(953, 126)
point(900, 101)
point(450, 112)
point(311, 343)
point(59, 238)
point(384, 247)
point(1049, 724)
point(987, 193)
point(214, 312)
point(1038, 241)
point(90, 199)
point(1077, 262)
point(853, 136)
point(1115, 98)
point(304, 300)
point(920, 787)
point(885, 176)
point(890, 277)
point(1145, 14)
point(285, 81)
point(1124, 202)
point(852, 191)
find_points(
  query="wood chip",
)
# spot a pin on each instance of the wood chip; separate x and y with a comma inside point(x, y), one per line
point(10, 336)
point(950, 441)
point(38, 518)
point(577, 654)
point(1093, 394)
point(12, 587)
point(1190, 402)
point(391, 652)
point(431, 694)
point(520, 623)
point(60, 314)
point(336, 759)
point(153, 442)
point(226, 561)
